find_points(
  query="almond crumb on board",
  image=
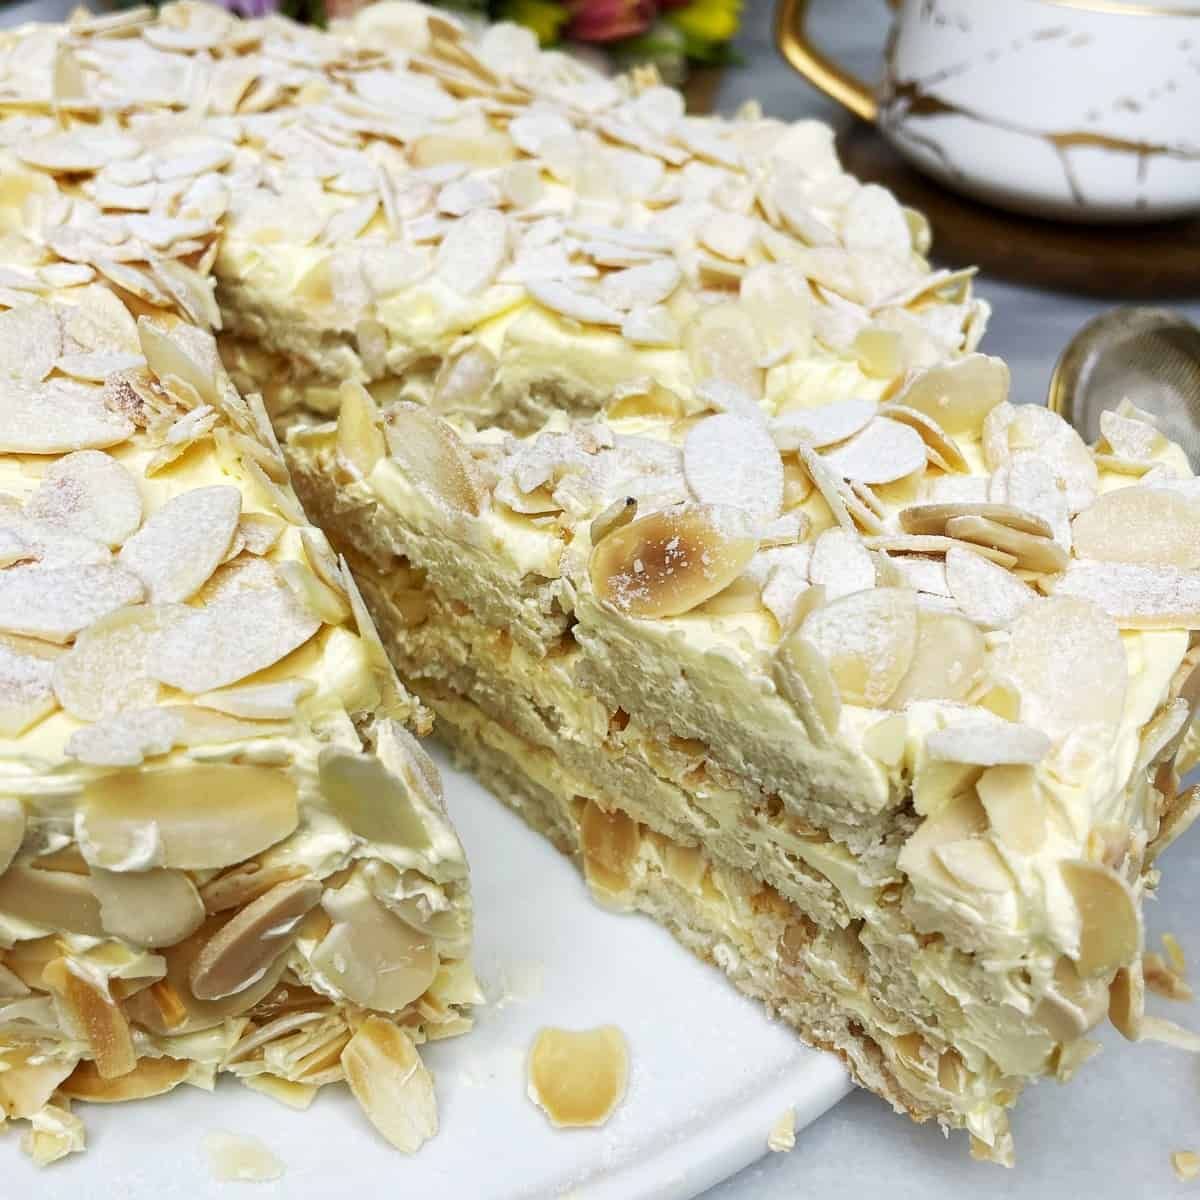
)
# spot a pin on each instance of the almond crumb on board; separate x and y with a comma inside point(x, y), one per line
point(782, 1137)
point(1162, 979)
point(578, 1077)
point(1175, 955)
point(236, 1158)
point(1186, 1164)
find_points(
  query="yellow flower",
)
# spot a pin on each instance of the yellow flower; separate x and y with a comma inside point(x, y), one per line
point(544, 17)
point(708, 20)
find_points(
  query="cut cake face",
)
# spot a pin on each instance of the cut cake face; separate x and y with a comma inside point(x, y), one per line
point(221, 849)
point(673, 477)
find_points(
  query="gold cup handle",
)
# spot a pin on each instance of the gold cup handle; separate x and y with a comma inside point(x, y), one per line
point(791, 36)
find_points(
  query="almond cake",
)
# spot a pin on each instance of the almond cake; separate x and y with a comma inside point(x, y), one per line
point(682, 497)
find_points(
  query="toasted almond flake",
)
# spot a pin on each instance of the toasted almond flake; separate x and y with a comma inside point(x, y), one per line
point(1140, 525)
point(433, 454)
point(53, 1133)
point(151, 1077)
point(232, 638)
point(182, 543)
point(391, 1084)
point(988, 743)
point(1163, 981)
point(1068, 663)
point(958, 395)
point(823, 426)
point(731, 461)
point(360, 441)
point(577, 1078)
point(241, 951)
point(472, 251)
point(1135, 595)
point(92, 1015)
point(1186, 1165)
point(1110, 933)
point(671, 561)
point(260, 701)
point(55, 603)
point(841, 563)
point(314, 594)
point(882, 453)
point(57, 417)
point(1127, 1001)
point(947, 661)
point(782, 1137)
point(869, 639)
point(237, 1158)
point(1031, 552)
point(106, 670)
point(88, 493)
point(1158, 1029)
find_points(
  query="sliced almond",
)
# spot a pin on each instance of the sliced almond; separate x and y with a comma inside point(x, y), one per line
point(54, 603)
point(260, 701)
point(259, 531)
point(360, 441)
point(151, 1077)
point(369, 954)
point(1030, 483)
point(958, 395)
point(671, 561)
point(125, 739)
point(198, 816)
point(806, 679)
point(330, 605)
point(391, 1084)
point(244, 948)
point(778, 301)
point(433, 455)
point(1032, 552)
point(721, 343)
point(822, 426)
point(1036, 430)
point(182, 543)
point(26, 691)
point(988, 594)
point(93, 1016)
point(55, 900)
point(1127, 1001)
point(185, 353)
point(987, 743)
point(148, 908)
point(931, 543)
point(882, 453)
point(1015, 805)
point(841, 564)
point(106, 670)
point(934, 518)
point(244, 883)
point(947, 661)
point(57, 417)
point(31, 341)
point(1140, 525)
point(232, 638)
point(1110, 934)
point(729, 460)
point(943, 449)
point(578, 1077)
point(12, 829)
point(238, 1158)
point(472, 251)
point(88, 493)
point(1135, 595)
point(868, 639)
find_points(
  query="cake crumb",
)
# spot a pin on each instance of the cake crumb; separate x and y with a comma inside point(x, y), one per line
point(1186, 1164)
point(578, 1077)
point(782, 1137)
point(236, 1158)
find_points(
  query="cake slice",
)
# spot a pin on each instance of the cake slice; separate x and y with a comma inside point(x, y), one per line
point(221, 847)
point(875, 707)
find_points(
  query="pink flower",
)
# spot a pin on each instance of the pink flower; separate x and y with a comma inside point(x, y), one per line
point(609, 20)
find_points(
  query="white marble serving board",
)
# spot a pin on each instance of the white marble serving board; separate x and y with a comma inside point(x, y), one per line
point(709, 1073)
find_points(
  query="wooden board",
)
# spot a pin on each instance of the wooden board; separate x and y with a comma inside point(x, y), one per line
point(1134, 261)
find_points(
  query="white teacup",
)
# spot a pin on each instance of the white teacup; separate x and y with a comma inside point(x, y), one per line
point(1087, 110)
